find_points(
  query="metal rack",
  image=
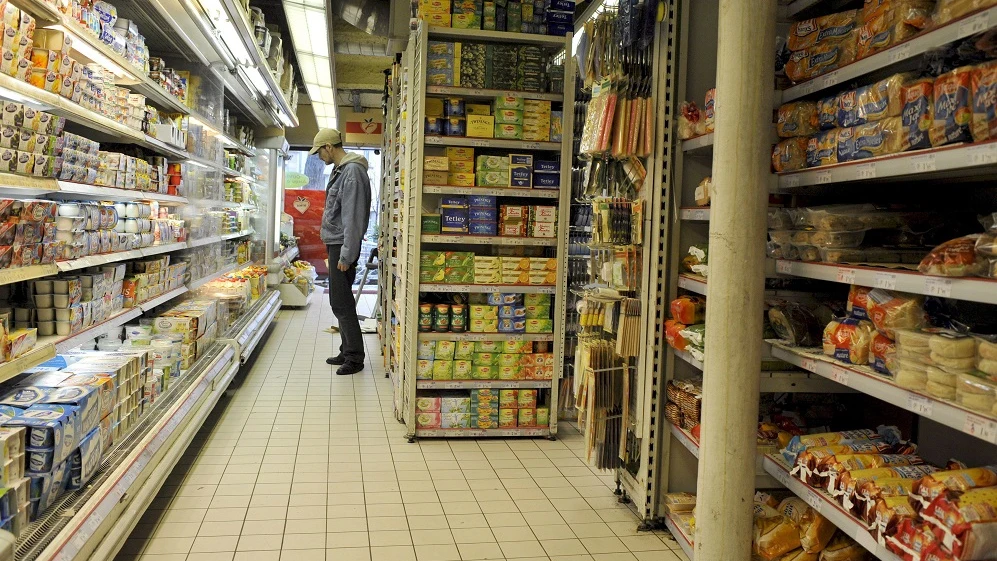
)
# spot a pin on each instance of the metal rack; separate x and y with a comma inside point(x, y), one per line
point(411, 240)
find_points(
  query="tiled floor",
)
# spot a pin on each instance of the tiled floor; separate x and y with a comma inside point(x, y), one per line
point(303, 465)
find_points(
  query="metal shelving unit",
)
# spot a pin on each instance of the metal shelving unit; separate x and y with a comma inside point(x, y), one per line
point(411, 241)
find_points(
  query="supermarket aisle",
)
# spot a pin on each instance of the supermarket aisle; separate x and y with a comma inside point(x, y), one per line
point(304, 465)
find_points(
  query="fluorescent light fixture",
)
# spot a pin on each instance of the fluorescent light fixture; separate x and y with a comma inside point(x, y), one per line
point(199, 164)
point(90, 52)
point(11, 95)
point(307, 23)
point(310, 36)
point(227, 31)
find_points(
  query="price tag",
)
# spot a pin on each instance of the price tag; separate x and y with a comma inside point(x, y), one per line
point(809, 364)
point(923, 163)
point(919, 404)
point(462, 191)
point(532, 146)
point(980, 427)
point(886, 281)
point(823, 177)
point(866, 171)
point(783, 477)
point(479, 143)
point(840, 375)
point(936, 286)
point(700, 214)
point(846, 275)
point(815, 500)
point(981, 155)
point(976, 24)
point(900, 52)
point(790, 181)
point(784, 267)
point(829, 79)
point(508, 433)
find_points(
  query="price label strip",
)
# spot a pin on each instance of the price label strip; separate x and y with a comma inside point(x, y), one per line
point(866, 171)
point(840, 375)
point(976, 24)
point(784, 267)
point(936, 286)
point(886, 281)
point(980, 427)
point(981, 155)
point(815, 501)
point(899, 53)
point(846, 275)
point(920, 404)
point(790, 181)
point(823, 177)
point(923, 163)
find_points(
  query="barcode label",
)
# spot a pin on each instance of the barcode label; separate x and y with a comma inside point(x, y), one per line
point(886, 281)
point(934, 286)
point(846, 275)
point(920, 404)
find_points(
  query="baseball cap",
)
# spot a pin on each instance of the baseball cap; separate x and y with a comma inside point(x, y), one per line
point(325, 136)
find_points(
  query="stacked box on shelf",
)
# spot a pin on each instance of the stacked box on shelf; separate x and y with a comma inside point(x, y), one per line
point(482, 409)
point(492, 171)
point(536, 120)
point(546, 174)
point(484, 360)
point(483, 216)
point(441, 59)
point(451, 267)
point(453, 215)
point(195, 321)
point(508, 113)
point(460, 162)
point(67, 305)
point(466, 14)
point(435, 12)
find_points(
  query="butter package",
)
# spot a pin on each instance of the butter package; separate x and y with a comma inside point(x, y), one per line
point(822, 149)
point(824, 30)
point(918, 113)
point(953, 111)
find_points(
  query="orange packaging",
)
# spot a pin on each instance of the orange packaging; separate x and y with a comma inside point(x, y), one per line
point(849, 340)
point(824, 30)
point(688, 309)
point(790, 154)
point(953, 95)
point(673, 334)
point(858, 301)
point(984, 119)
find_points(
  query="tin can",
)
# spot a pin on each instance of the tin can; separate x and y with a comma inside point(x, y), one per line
point(441, 318)
point(458, 321)
point(425, 317)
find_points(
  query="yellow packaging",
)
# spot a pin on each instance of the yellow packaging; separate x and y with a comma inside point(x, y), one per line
point(480, 126)
point(460, 179)
point(460, 154)
point(432, 177)
point(507, 418)
point(527, 399)
point(436, 163)
point(508, 399)
point(477, 109)
point(483, 372)
point(483, 326)
point(424, 370)
point(462, 369)
point(464, 350)
point(484, 312)
point(434, 6)
point(434, 108)
point(466, 21)
point(527, 417)
point(510, 373)
point(461, 166)
point(443, 370)
point(436, 19)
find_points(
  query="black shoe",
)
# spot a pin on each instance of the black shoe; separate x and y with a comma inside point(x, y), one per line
point(350, 368)
point(336, 360)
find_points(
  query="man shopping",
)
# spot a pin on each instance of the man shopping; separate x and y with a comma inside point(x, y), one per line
point(344, 222)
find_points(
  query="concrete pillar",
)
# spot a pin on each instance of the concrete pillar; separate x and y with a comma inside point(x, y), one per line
point(735, 290)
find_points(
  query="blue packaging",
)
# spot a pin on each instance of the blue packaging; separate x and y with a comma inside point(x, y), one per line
point(520, 176)
point(479, 228)
point(546, 165)
point(497, 299)
point(86, 399)
point(849, 111)
point(453, 220)
point(46, 487)
point(25, 397)
point(559, 29)
point(453, 107)
point(453, 202)
point(52, 426)
point(521, 160)
point(560, 16)
point(482, 201)
point(85, 460)
point(455, 126)
point(434, 125)
point(511, 311)
point(564, 5)
point(8, 412)
point(483, 214)
point(547, 180)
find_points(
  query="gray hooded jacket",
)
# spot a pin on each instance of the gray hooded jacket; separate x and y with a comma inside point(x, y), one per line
point(347, 207)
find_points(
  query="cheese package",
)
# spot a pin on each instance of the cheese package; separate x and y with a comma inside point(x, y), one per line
point(822, 149)
point(953, 112)
point(796, 119)
point(918, 113)
point(848, 340)
point(824, 30)
point(984, 90)
point(790, 154)
point(820, 59)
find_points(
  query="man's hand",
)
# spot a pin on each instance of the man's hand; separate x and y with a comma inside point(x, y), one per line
point(342, 266)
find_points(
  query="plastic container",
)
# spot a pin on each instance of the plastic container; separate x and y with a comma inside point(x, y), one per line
point(781, 236)
point(782, 251)
point(978, 394)
point(842, 255)
point(802, 237)
point(808, 253)
point(835, 219)
point(835, 239)
point(780, 219)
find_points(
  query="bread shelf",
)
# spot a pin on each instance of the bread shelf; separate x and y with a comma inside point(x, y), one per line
point(979, 290)
point(467, 336)
point(477, 384)
point(695, 213)
point(487, 240)
point(692, 283)
point(686, 356)
point(491, 143)
point(487, 288)
point(493, 191)
point(869, 382)
point(481, 433)
point(897, 54)
point(763, 480)
point(700, 147)
point(821, 502)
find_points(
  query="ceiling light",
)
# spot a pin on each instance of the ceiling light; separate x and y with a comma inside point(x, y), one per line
point(227, 31)
point(88, 51)
point(308, 29)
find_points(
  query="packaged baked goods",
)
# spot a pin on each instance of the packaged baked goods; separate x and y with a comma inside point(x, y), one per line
point(848, 340)
point(703, 191)
point(811, 460)
point(815, 530)
point(798, 118)
point(881, 99)
point(800, 555)
point(834, 468)
point(850, 483)
point(953, 112)
point(673, 335)
point(820, 59)
point(822, 149)
point(951, 345)
point(890, 311)
point(797, 444)
point(790, 154)
point(857, 303)
point(918, 112)
point(883, 354)
point(955, 258)
point(927, 488)
point(795, 324)
point(868, 493)
point(690, 120)
point(827, 113)
point(825, 30)
point(679, 502)
point(965, 522)
point(948, 10)
point(843, 548)
point(975, 392)
point(775, 536)
point(868, 140)
point(688, 309)
point(885, 23)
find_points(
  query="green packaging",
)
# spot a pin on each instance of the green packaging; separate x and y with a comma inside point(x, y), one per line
point(509, 116)
point(493, 178)
point(462, 369)
point(508, 132)
point(464, 350)
point(459, 275)
point(433, 259)
point(460, 259)
point(432, 274)
point(487, 347)
point(536, 299)
point(483, 372)
point(431, 223)
point(485, 358)
point(509, 102)
point(443, 370)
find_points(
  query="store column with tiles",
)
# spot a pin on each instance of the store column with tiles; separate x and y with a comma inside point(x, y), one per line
point(303, 465)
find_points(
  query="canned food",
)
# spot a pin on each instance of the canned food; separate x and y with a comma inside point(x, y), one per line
point(425, 317)
point(441, 318)
point(458, 323)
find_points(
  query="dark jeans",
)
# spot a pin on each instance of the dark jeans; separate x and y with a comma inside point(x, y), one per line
point(345, 307)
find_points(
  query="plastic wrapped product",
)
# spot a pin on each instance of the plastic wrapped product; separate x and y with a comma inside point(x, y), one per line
point(825, 30)
point(927, 488)
point(882, 99)
point(774, 537)
point(848, 340)
point(673, 335)
point(976, 393)
point(797, 444)
point(851, 483)
point(857, 304)
point(800, 555)
point(796, 119)
point(779, 219)
point(688, 309)
point(884, 354)
point(953, 111)
point(948, 10)
point(695, 335)
point(679, 502)
point(868, 140)
point(827, 113)
point(822, 149)
point(795, 324)
point(954, 258)
point(888, 22)
point(843, 548)
point(703, 191)
point(833, 469)
point(918, 113)
point(812, 62)
point(690, 120)
point(984, 89)
point(815, 530)
point(890, 311)
point(808, 461)
point(966, 522)
point(790, 154)
point(948, 344)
